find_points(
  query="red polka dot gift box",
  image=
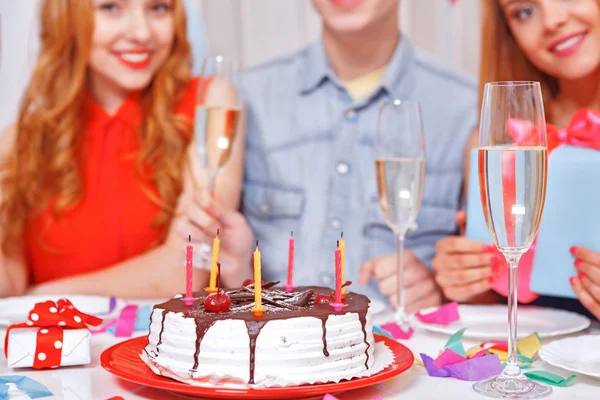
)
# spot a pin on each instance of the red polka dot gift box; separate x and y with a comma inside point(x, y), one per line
point(56, 334)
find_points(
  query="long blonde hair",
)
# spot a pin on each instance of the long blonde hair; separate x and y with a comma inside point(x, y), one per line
point(44, 168)
point(501, 56)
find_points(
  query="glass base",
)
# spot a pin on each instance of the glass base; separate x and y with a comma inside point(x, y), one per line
point(401, 318)
point(512, 387)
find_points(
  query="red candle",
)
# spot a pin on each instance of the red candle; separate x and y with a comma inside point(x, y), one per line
point(338, 276)
point(189, 264)
point(289, 287)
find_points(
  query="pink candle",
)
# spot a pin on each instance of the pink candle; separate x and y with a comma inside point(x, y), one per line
point(189, 264)
point(289, 287)
point(338, 276)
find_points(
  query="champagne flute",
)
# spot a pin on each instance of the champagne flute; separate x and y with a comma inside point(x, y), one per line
point(400, 167)
point(512, 176)
point(217, 123)
point(218, 114)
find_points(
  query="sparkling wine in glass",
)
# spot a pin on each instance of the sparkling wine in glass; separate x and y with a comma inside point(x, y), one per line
point(217, 125)
point(218, 114)
point(400, 167)
point(513, 163)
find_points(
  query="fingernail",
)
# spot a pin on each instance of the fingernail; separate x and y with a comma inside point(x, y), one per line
point(573, 250)
point(580, 276)
point(487, 248)
point(492, 280)
point(495, 260)
point(572, 280)
point(577, 263)
point(496, 270)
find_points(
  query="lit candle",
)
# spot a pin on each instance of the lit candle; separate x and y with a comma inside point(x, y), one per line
point(212, 287)
point(343, 261)
point(338, 304)
point(189, 264)
point(258, 309)
point(289, 287)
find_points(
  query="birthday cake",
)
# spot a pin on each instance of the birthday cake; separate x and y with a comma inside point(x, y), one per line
point(299, 338)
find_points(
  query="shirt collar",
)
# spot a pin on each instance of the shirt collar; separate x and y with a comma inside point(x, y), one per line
point(129, 112)
point(394, 80)
point(317, 69)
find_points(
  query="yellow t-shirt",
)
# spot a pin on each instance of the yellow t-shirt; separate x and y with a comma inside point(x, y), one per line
point(364, 85)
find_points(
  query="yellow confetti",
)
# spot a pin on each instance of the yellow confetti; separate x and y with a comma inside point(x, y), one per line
point(474, 350)
point(420, 362)
point(502, 355)
point(529, 345)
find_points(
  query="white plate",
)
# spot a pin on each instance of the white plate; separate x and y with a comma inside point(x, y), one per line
point(491, 322)
point(15, 309)
point(377, 306)
point(578, 354)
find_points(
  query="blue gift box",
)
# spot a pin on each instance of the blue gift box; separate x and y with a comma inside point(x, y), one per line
point(571, 217)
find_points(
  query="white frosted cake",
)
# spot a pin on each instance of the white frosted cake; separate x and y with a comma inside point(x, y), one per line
point(300, 338)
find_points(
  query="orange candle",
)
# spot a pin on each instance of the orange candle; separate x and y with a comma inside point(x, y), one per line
point(258, 309)
point(212, 287)
point(343, 261)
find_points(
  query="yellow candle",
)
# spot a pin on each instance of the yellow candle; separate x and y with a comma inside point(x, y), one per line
point(343, 263)
point(213, 265)
point(258, 309)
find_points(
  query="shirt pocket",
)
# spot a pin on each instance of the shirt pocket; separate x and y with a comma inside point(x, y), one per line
point(270, 201)
point(273, 210)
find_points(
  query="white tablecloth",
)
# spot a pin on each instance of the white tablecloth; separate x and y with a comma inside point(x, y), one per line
point(93, 382)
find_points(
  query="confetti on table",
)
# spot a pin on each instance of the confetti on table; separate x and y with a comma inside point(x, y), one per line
point(445, 315)
point(455, 343)
point(549, 378)
point(474, 369)
point(397, 332)
point(32, 388)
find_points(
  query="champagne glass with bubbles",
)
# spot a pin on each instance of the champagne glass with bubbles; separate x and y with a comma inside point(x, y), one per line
point(400, 167)
point(218, 114)
point(217, 123)
point(512, 176)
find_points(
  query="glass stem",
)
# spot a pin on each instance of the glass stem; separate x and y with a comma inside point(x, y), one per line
point(512, 365)
point(400, 312)
point(212, 177)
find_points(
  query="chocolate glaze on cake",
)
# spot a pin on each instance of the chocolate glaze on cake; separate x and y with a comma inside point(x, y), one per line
point(280, 305)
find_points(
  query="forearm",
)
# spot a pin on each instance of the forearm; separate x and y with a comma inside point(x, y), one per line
point(156, 273)
point(13, 277)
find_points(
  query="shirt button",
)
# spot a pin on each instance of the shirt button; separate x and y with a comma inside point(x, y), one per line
point(335, 223)
point(342, 168)
point(264, 208)
point(326, 279)
point(350, 114)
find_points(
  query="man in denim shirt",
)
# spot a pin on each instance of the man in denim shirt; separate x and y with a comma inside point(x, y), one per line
point(309, 158)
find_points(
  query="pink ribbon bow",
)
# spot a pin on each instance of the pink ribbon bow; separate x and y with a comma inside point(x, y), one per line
point(583, 131)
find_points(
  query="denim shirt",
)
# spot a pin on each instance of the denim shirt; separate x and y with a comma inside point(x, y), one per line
point(310, 168)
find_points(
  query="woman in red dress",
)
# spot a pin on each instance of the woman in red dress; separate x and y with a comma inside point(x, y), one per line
point(96, 195)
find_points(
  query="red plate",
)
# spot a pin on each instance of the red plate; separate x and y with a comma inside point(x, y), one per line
point(123, 360)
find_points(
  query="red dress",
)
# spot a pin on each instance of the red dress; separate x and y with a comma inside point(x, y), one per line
point(112, 222)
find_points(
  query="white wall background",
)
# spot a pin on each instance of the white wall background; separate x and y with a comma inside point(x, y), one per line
point(256, 31)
